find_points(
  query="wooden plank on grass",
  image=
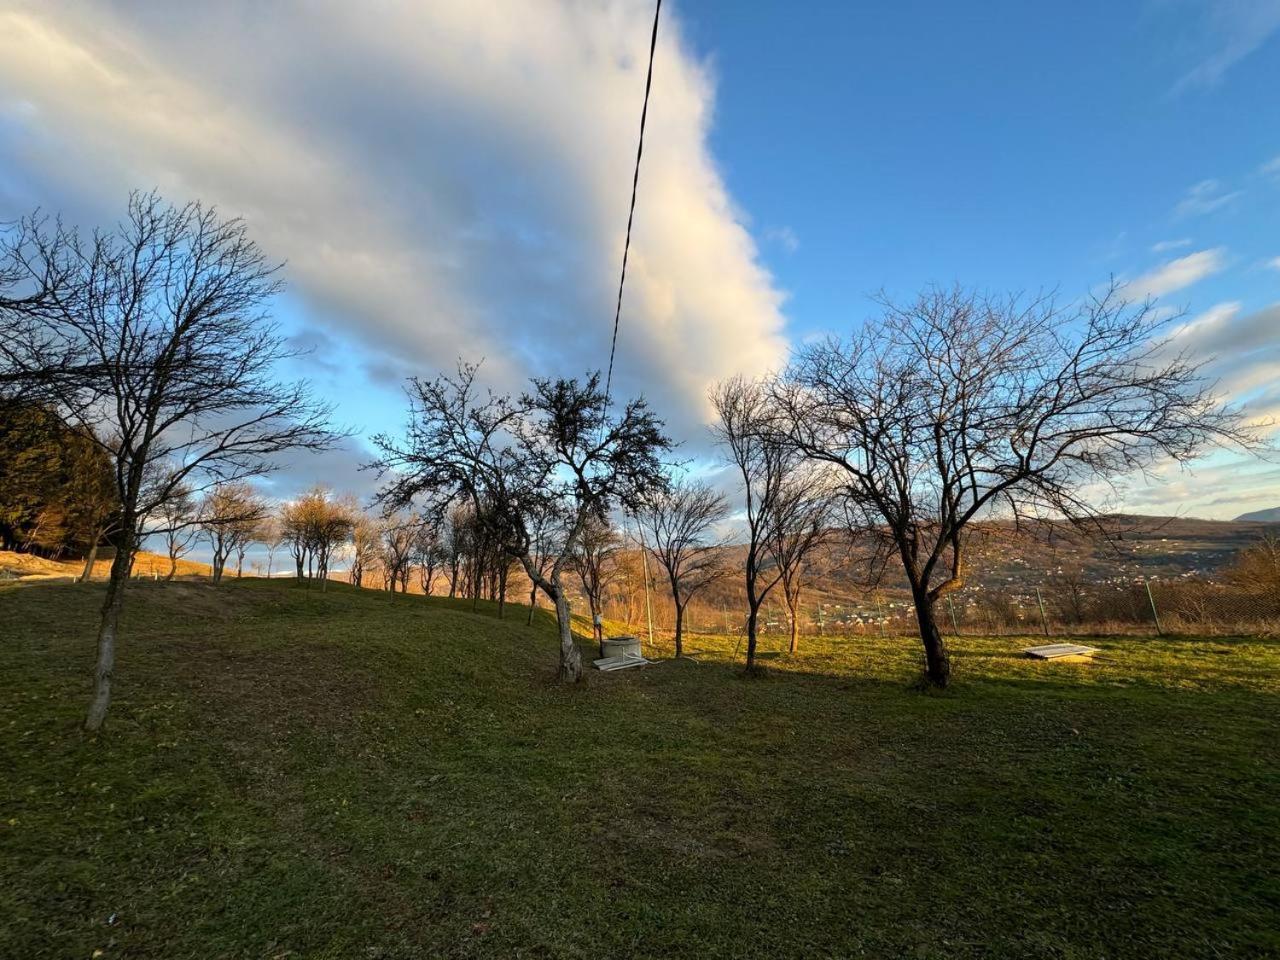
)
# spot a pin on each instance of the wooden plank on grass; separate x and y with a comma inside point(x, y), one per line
point(1056, 651)
point(620, 663)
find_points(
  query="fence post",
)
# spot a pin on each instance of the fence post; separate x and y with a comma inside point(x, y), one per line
point(880, 617)
point(951, 608)
point(1044, 620)
point(822, 623)
point(1155, 614)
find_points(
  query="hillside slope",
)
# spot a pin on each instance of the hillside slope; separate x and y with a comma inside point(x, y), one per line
point(28, 566)
point(341, 773)
point(1260, 516)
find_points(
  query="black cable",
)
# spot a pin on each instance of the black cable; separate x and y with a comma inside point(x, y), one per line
point(635, 182)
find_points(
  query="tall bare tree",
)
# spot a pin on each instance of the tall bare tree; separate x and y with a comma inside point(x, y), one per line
point(747, 434)
point(680, 531)
point(957, 406)
point(160, 347)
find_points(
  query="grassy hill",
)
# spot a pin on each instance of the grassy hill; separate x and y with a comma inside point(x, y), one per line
point(28, 566)
point(291, 773)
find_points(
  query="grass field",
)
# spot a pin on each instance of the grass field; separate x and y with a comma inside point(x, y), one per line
point(289, 773)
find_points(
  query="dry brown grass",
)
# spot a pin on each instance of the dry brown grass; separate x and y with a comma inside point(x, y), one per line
point(27, 566)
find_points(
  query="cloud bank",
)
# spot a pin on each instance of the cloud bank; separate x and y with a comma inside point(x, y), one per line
point(442, 179)
point(1176, 274)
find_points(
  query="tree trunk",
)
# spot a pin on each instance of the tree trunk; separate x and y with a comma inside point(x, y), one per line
point(91, 558)
point(937, 670)
point(107, 628)
point(533, 601)
point(570, 659)
point(679, 630)
point(597, 627)
point(793, 610)
point(753, 617)
point(173, 568)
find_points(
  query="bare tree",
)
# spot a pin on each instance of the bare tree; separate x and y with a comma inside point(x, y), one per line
point(230, 516)
point(271, 536)
point(315, 525)
point(546, 528)
point(366, 546)
point(332, 523)
point(161, 349)
point(398, 533)
point(428, 552)
point(747, 435)
point(458, 525)
point(593, 560)
point(179, 519)
point(958, 406)
point(679, 526)
point(559, 443)
point(804, 516)
point(295, 532)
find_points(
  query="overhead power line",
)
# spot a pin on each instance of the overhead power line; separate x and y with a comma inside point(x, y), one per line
point(631, 214)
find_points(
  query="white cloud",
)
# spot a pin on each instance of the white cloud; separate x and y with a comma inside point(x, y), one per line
point(1164, 246)
point(1271, 168)
point(1236, 29)
point(1177, 274)
point(1274, 263)
point(1204, 197)
point(442, 178)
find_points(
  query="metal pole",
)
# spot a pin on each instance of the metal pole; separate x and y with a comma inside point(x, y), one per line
point(822, 622)
point(1043, 619)
point(880, 616)
point(1155, 615)
point(951, 608)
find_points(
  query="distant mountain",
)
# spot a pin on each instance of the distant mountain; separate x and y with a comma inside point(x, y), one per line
point(1260, 516)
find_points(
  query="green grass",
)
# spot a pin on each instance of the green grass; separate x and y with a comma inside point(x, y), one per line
point(287, 773)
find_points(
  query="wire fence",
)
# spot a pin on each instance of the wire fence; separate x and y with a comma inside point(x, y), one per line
point(1051, 608)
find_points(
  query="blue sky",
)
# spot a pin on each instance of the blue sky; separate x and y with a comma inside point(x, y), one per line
point(451, 178)
point(997, 144)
